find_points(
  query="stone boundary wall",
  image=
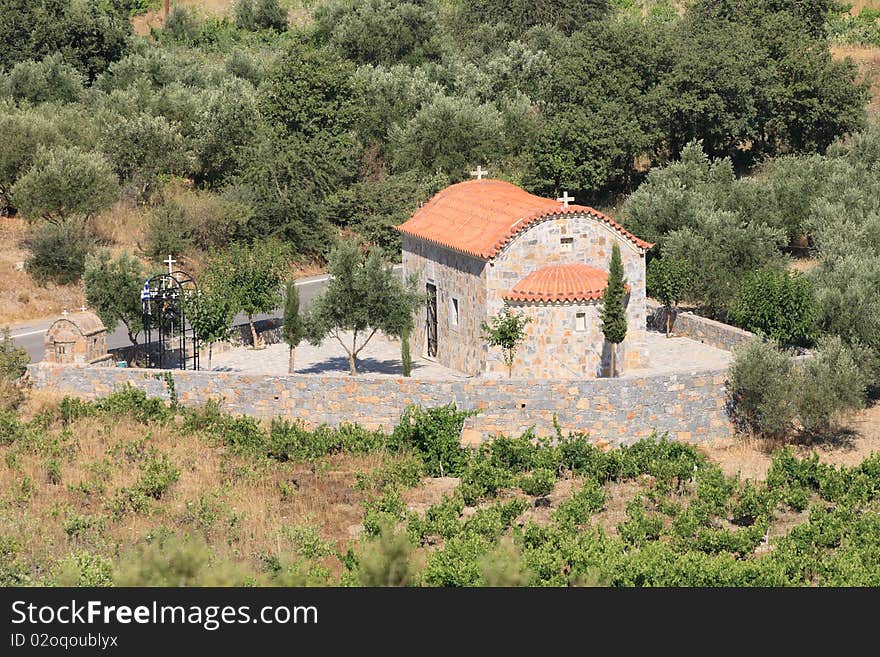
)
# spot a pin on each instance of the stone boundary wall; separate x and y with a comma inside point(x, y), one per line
point(690, 406)
point(708, 331)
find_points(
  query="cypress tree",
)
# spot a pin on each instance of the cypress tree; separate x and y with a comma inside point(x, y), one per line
point(292, 331)
point(613, 308)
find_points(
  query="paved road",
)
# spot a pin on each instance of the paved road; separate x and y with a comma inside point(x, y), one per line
point(30, 334)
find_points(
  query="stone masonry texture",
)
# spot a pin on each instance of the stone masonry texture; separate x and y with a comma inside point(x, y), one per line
point(690, 406)
point(702, 329)
point(478, 287)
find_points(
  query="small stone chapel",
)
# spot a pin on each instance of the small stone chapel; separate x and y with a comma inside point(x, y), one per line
point(481, 244)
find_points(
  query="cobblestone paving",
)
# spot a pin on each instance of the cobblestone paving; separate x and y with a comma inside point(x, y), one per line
point(381, 357)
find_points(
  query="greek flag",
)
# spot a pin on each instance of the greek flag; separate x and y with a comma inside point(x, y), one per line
point(145, 293)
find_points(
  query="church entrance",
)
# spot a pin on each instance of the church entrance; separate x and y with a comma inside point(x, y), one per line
point(431, 342)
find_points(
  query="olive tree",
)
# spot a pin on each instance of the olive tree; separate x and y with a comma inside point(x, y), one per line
point(363, 297)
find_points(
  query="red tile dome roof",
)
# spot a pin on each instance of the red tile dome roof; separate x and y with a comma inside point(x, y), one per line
point(559, 283)
point(479, 217)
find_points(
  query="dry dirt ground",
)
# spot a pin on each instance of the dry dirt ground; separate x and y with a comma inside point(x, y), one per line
point(20, 298)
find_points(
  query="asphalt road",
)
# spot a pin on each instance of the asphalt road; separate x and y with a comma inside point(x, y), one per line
point(30, 334)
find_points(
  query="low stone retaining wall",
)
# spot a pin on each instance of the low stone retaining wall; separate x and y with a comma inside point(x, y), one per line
point(690, 406)
point(708, 331)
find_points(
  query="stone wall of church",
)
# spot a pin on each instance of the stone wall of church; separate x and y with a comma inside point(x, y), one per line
point(557, 344)
point(460, 280)
point(589, 241)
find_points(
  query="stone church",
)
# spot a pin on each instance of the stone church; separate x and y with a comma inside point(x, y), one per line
point(481, 244)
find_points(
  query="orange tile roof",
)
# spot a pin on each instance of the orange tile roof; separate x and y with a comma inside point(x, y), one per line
point(574, 282)
point(479, 217)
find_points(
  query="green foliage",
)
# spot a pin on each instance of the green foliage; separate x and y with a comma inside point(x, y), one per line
point(173, 561)
point(292, 331)
point(129, 402)
point(579, 508)
point(379, 31)
point(832, 383)
point(387, 561)
point(210, 316)
point(13, 359)
point(81, 568)
point(87, 35)
point(667, 280)
point(434, 433)
point(539, 482)
point(772, 395)
point(255, 15)
point(778, 304)
point(58, 252)
point(48, 80)
point(363, 296)
point(113, 287)
point(142, 147)
point(761, 382)
point(506, 330)
point(249, 277)
point(65, 183)
point(405, 355)
point(613, 306)
point(168, 232)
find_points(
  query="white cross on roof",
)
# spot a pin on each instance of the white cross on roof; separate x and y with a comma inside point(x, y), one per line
point(479, 172)
point(565, 199)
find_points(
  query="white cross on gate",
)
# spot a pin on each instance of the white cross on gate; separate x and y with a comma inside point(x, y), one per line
point(479, 172)
point(170, 262)
point(64, 312)
point(83, 308)
point(565, 199)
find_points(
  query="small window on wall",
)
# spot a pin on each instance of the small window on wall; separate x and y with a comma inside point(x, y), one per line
point(566, 243)
point(580, 322)
point(453, 311)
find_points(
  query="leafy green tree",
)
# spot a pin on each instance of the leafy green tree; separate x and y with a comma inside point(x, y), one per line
point(227, 126)
point(58, 252)
point(613, 306)
point(143, 147)
point(309, 91)
point(269, 15)
point(168, 231)
point(250, 276)
point(210, 316)
point(448, 135)
point(667, 280)
point(762, 385)
point(47, 80)
point(292, 331)
point(113, 289)
point(507, 330)
point(89, 35)
point(832, 383)
point(362, 297)
point(13, 360)
point(380, 31)
point(65, 183)
point(778, 304)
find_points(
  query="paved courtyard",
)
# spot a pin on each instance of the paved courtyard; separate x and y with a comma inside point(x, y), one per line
point(381, 357)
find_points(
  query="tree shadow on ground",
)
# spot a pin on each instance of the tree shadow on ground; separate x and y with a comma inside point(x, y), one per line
point(364, 366)
point(843, 438)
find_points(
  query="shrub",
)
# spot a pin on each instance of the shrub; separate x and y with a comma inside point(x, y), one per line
point(387, 561)
point(168, 231)
point(831, 383)
point(133, 402)
point(173, 561)
point(540, 482)
point(434, 433)
point(762, 386)
point(85, 569)
point(58, 252)
point(578, 509)
point(777, 303)
point(13, 360)
point(183, 24)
